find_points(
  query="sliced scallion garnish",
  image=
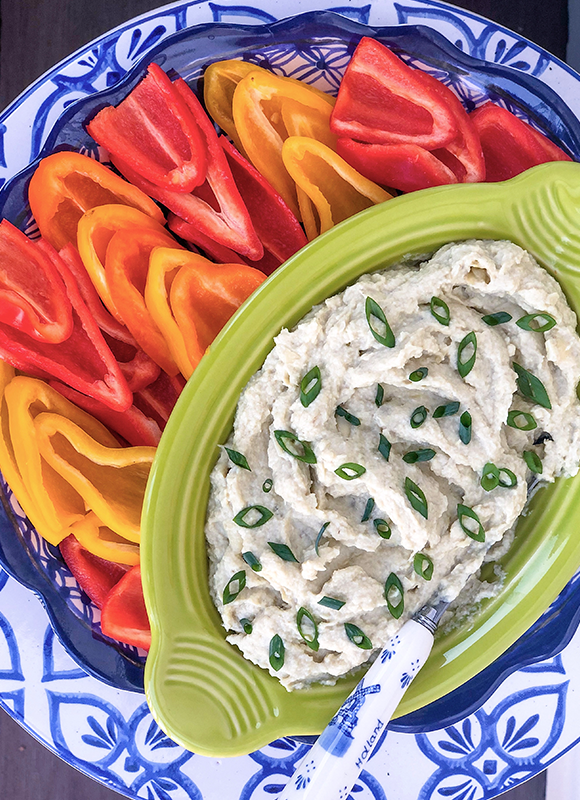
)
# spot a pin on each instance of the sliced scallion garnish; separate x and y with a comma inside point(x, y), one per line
point(448, 410)
point(246, 625)
point(267, 485)
point(239, 459)
point(357, 636)
point(531, 387)
point(244, 516)
point(379, 396)
point(489, 477)
point(395, 595)
point(465, 427)
point(423, 566)
point(416, 497)
point(368, 510)
point(350, 470)
point(283, 551)
point(522, 420)
point(533, 461)
point(233, 587)
point(507, 478)
point(418, 374)
point(440, 310)
point(384, 447)
point(310, 386)
point(466, 354)
point(295, 447)
point(499, 318)
point(419, 455)
point(252, 561)
point(526, 323)
point(476, 531)
point(342, 412)
point(307, 628)
point(383, 528)
point(418, 417)
point(319, 537)
point(331, 602)
point(277, 652)
point(383, 334)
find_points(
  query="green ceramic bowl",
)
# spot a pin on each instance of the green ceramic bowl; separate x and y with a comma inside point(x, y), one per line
point(200, 689)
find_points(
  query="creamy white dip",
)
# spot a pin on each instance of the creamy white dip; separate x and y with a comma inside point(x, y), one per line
point(384, 415)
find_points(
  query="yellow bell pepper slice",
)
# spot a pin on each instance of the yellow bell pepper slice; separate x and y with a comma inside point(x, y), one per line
point(110, 479)
point(100, 540)
point(335, 189)
point(265, 109)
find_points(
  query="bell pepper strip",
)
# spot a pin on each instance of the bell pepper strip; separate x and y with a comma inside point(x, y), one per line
point(123, 615)
point(101, 541)
point(158, 399)
point(111, 480)
point(96, 228)
point(126, 267)
point(213, 250)
point(66, 184)
point(84, 361)
point(33, 297)
point(257, 110)
point(510, 145)
point(406, 167)
point(153, 130)
point(133, 425)
point(56, 504)
point(335, 188)
point(96, 576)
point(381, 100)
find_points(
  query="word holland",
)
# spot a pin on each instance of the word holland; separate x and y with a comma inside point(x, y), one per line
point(369, 743)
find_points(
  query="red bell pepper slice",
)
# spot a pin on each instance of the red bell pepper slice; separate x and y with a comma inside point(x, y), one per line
point(33, 298)
point(94, 575)
point(84, 361)
point(381, 100)
point(154, 132)
point(157, 400)
point(124, 616)
point(510, 145)
point(406, 167)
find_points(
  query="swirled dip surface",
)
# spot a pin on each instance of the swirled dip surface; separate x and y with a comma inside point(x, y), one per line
point(370, 414)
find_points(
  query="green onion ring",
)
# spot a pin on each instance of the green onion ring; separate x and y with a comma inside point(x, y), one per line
point(373, 310)
point(310, 386)
point(393, 585)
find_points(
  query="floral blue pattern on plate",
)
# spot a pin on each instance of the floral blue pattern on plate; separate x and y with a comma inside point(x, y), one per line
point(528, 715)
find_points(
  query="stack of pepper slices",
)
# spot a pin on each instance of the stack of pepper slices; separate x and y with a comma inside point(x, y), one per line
point(105, 316)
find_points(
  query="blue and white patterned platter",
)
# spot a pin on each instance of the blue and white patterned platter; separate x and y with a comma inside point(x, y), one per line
point(454, 749)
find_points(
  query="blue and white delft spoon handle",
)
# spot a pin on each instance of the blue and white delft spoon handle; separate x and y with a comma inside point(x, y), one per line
point(330, 769)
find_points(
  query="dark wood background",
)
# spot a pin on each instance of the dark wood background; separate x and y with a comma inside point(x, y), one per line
point(35, 34)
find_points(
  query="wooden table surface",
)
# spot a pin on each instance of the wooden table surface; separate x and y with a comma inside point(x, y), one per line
point(35, 34)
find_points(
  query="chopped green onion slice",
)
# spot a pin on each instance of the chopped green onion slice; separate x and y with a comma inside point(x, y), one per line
point(277, 651)
point(418, 374)
point(368, 510)
point(384, 447)
point(234, 586)
point(307, 628)
point(357, 637)
point(283, 551)
point(466, 353)
point(243, 518)
point(395, 595)
point(342, 412)
point(382, 332)
point(331, 602)
point(383, 528)
point(419, 455)
point(310, 386)
point(510, 479)
point(489, 477)
point(476, 531)
point(522, 420)
point(267, 485)
point(533, 461)
point(465, 427)
point(237, 458)
point(423, 566)
point(252, 561)
point(379, 396)
point(496, 319)
point(531, 387)
point(350, 471)
point(528, 322)
point(319, 537)
point(418, 417)
point(448, 410)
point(440, 310)
point(246, 625)
point(416, 497)
point(295, 447)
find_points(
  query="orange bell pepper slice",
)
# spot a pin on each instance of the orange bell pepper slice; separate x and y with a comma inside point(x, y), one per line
point(95, 230)
point(124, 616)
point(67, 184)
point(334, 188)
point(101, 541)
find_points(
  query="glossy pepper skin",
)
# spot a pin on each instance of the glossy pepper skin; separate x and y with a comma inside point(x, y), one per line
point(66, 184)
point(95, 575)
point(153, 131)
point(101, 541)
point(124, 616)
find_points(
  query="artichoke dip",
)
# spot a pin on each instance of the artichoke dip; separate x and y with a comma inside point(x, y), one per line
point(381, 451)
